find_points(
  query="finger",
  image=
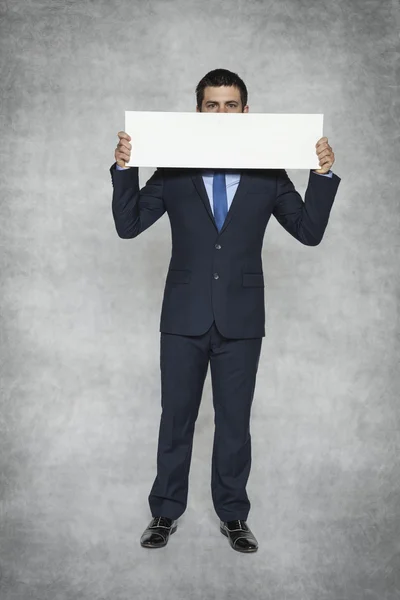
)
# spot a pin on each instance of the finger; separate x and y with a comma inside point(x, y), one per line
point(325, 158)
point(124, 143)
point(324, 153)
point(321, 149)
point(321, 141)
point(123, 156)
point(122, 152)
point(124, 135)
point(325, 163)
point(322, 146)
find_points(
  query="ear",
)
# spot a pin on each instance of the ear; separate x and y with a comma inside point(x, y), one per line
point(246, 109)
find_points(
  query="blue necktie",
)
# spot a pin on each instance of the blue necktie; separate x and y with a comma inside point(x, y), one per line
point(220, 200)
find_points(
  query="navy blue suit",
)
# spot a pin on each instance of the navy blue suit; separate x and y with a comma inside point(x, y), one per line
point(213, 312)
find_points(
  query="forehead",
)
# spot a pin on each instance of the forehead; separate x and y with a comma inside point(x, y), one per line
point(222, 93)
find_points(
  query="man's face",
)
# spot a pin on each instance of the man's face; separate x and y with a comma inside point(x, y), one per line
point(222, 99)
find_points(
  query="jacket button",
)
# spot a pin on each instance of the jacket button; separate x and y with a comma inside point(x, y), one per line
point(216, 276)
point(218, 247)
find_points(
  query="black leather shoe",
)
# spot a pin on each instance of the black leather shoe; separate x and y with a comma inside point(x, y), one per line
point(156, 535)
point(239, 535)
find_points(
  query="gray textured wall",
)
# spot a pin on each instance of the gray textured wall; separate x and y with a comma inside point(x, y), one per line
point(80, 391)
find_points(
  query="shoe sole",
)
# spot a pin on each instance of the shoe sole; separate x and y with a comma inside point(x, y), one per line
point(144, 545)
point(238, 549)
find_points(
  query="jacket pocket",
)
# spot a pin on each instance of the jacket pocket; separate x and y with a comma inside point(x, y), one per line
point(175, 276)
point(253, 280)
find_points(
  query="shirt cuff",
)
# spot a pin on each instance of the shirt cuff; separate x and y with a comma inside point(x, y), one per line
point(329, 174)
point(120, 168)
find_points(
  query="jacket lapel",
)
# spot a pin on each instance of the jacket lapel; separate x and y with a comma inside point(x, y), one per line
point(242, 189)
point(201, 189)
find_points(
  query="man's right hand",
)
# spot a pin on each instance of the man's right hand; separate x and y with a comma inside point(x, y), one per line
point(123, 150)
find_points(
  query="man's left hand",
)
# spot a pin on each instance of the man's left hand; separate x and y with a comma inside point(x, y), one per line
point(325, 154)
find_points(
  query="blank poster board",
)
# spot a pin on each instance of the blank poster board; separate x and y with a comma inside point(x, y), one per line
point(223, 140)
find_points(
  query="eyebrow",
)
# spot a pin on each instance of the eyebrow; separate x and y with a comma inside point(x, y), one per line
point(226, 102)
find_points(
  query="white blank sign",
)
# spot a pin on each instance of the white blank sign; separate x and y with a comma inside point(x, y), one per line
point(223, 140)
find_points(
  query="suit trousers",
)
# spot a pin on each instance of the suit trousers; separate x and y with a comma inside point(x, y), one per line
point(184, 364)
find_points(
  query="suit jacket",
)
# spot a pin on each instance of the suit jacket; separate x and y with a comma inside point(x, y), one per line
point(216, 275)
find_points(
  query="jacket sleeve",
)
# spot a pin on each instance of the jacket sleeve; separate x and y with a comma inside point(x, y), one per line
point(306, 221)
point(134, 209)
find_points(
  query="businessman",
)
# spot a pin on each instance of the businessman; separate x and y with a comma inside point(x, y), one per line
point(213, 308)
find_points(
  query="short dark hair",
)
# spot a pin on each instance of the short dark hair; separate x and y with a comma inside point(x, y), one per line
point(218, 78)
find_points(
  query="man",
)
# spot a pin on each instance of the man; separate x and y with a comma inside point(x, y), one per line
point(213, 307)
